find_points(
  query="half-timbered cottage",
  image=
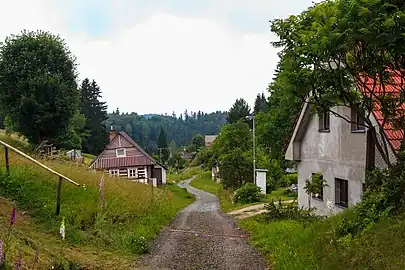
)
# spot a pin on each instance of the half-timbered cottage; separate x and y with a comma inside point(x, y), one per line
point(123, 157)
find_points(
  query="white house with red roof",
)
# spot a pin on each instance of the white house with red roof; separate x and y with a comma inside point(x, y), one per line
point(340, 151)
point(123, 157)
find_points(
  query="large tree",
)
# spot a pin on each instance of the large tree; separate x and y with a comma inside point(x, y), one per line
point(163, 147)
point(239, 110)
point(38, 88)
point(347, 52)
point(275, 125)
point(95, 112)
point(260, 104)
point(198, 141)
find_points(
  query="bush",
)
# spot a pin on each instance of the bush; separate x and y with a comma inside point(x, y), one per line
point(288, 211)
point(249, 193)
point(290, 179)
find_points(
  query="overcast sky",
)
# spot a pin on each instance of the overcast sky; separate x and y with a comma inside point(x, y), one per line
point(160, 56)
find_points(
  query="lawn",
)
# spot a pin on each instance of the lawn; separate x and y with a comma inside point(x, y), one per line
point(183, 175)
point(98, 237)
point(204, 182)
point(291, 244)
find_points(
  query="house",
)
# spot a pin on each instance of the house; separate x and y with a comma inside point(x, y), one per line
point(209, 139)
point(123, 157)
point(340, 151)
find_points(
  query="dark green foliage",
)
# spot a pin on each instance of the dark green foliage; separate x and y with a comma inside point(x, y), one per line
point(145, 130)
point(275, 125)
point(163, 147)
point(176, 162)
point(260, 104)
point(290, 179)
point(286, 211)
point(198, 141)
point(95, 113)
point(238, 112)
point(38, 87)
point(248, 193)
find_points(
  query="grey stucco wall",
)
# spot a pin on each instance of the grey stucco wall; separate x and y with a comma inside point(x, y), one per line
point(336, 154)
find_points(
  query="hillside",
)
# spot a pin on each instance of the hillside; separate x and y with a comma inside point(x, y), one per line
point(179, 130)
point(98, 238)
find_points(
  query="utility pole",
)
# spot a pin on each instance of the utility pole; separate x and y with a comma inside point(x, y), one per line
point(252, 117)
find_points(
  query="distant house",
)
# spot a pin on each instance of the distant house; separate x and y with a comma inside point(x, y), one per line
point(340, 151)
point(123, 157)
point(209, 139)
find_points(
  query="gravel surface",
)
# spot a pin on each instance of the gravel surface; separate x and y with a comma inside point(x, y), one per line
point(202, 237)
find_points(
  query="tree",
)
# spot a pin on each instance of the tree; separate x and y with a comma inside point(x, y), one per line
point(162, 147)
point(176, 162)
point(95, 113)
point(260, 104)
point(274, 126)
point(239, 110)
point(38, 87)
point(198, 141)
point(314, 186)
point(232, 149)
point(347, 53)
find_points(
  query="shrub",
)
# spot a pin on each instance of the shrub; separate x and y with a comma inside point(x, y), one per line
point(288, 211)
point(247, 194)
point(290, 179)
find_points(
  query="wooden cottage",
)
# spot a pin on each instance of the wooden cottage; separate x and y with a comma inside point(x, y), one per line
point(123, 157)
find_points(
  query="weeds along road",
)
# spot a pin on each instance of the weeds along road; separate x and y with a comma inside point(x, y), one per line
point(202, 237)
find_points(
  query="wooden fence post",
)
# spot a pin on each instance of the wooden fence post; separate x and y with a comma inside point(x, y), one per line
point(58, 196)
point(7, 162)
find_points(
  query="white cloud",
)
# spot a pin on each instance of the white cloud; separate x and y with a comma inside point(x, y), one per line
point(163, 64)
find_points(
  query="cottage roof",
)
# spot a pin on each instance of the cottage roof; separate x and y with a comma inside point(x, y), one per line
point(210, 138)
point(117, 162)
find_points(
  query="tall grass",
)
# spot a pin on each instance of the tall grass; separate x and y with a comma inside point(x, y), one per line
point(293, 245)
point(134, 213)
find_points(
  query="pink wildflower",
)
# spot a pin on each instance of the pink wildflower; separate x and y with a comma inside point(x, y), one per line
point(1, 251)
point(18, 265)
point(13, 216)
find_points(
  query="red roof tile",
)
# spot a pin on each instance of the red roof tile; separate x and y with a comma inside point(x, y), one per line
point(394, 88)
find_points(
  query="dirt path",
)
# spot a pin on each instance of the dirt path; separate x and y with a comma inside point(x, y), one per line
point(202, 238)
point(251, 211)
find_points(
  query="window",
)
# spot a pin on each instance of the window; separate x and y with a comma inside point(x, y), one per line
point(324, 121)
point(114, 172)
point(121, 152)
point(132, 173)
point(319, 195)
point(357, 118)
point(341, 192)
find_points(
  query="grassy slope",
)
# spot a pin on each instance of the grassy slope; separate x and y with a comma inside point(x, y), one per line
point(204, 182)
point(105, 238)
point(292, 245)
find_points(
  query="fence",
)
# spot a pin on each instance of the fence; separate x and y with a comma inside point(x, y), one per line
point(61, 176)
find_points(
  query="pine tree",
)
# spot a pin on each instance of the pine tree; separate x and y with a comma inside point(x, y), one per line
point(239, 110)
point(162, 146)
point(260, 104)
point(95, 113)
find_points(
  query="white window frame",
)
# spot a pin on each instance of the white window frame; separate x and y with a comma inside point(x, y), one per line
point(125, 152)
point(114, 172)
point(132, 173)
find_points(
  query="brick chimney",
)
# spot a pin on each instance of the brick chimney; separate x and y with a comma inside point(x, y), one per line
point(113, 133)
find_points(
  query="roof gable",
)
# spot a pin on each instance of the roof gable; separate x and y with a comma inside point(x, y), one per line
point(123, 140)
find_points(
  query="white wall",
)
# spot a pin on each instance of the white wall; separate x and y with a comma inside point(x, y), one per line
point(335, 154)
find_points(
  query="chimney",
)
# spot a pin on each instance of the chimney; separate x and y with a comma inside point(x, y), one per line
point(113, 133)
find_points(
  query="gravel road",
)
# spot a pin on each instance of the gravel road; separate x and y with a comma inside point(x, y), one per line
point(202, 237)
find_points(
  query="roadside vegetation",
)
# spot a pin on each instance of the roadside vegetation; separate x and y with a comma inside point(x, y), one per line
point(100, 233)
point(226, 197)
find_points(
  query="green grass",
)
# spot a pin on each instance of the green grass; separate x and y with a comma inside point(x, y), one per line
point(185, 174)
point(204, 182)
point(295, 245)
point(99, 238)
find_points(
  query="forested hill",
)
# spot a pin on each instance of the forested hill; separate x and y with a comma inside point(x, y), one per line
point(179, 130)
